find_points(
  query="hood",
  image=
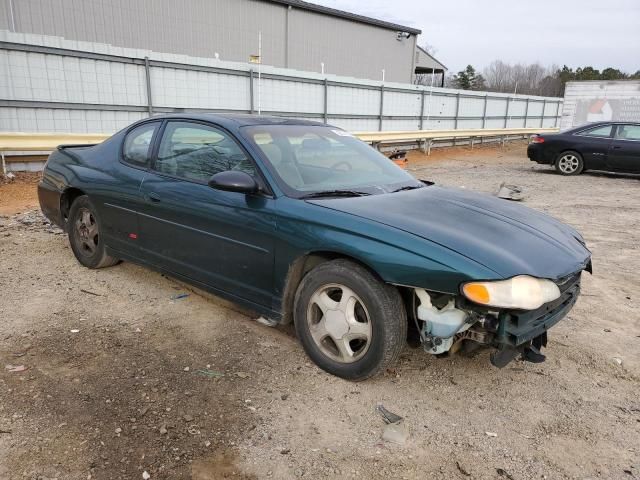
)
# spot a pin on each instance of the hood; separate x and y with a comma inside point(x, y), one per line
point(506, 237)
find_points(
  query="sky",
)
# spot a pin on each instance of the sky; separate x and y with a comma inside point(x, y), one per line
point(600, 33)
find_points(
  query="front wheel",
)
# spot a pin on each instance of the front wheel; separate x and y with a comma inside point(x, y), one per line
point(350, 323)
point(569, 163)
point(85, 235)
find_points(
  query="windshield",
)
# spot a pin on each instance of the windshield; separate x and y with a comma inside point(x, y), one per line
point(315, 159)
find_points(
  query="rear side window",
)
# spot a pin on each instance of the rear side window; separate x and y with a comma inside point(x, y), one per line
point(628, 132)
point(602, 131)
point(137, 145)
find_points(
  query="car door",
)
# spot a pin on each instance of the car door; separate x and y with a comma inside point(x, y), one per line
point(593, 143)
point(118, 196)
point(222, 239)
point(624, 152)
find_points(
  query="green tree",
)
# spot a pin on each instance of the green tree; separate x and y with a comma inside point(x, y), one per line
point(612, 74)
point(587, 73)
point(468, 79)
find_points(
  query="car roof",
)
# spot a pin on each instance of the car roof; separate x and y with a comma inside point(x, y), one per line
point(240, 119)
point(590, 125)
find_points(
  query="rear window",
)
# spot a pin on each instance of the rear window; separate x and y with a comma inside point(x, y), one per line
point(602, 131)
point(137, 145)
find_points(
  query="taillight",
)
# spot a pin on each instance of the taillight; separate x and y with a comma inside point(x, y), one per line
point(537, 139)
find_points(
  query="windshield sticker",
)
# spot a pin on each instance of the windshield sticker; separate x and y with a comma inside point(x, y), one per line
point(262, 137)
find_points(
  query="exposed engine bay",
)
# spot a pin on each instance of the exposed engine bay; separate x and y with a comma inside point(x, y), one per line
point(448, 325)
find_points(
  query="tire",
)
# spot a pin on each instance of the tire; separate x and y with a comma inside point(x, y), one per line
point(354, 336)
point(569, 163)
point(84, 235)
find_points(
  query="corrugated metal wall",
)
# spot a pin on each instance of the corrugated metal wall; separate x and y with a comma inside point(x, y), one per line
point(49, 84)
point(227, 27)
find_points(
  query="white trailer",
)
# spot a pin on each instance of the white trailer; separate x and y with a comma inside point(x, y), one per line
point(600, 100)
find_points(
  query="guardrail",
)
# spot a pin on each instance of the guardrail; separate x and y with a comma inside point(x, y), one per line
point(425, 138)
point(46, 142)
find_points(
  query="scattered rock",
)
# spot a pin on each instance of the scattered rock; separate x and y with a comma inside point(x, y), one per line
point(463, 469)
point(285, 451)
point(491, 434)
point(503, 473)
point(186, 369)
point(145, 475)
point(617, 361)
point(242, 375)
point(163, 430)
point(284, 396)
point(187, 418)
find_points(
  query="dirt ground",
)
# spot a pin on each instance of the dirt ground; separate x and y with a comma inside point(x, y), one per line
point(20, 194)
point(124, 378)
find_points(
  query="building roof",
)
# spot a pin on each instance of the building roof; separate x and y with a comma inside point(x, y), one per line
point(347, 15)
point(430, 62)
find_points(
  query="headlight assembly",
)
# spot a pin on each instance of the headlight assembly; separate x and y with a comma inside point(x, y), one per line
point(521, 292)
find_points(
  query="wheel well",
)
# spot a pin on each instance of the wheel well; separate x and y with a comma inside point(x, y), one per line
point(67, 199)
point(299, 268)
point(572, 150)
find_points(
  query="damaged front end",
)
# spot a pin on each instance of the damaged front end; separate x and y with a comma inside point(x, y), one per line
point(449, 324)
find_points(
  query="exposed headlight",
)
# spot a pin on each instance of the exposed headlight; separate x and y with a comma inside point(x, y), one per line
point(522, 292)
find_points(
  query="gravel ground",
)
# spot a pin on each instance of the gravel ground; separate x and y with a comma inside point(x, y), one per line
point(124, 378)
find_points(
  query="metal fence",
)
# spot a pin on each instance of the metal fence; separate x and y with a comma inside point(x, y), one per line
point(49, 84)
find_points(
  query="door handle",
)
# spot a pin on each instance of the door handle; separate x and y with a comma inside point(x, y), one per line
point(153, 197)
point(617, 147)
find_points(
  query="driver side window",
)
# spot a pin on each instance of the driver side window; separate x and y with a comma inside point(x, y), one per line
point(195, 152)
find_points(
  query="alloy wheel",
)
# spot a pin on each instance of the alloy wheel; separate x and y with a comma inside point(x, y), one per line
point(86, 232)
point(339, 323)
point(569, 164)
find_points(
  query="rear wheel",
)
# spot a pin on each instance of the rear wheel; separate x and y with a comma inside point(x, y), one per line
point(351, 324)
point(85, 236)
point(569, 163)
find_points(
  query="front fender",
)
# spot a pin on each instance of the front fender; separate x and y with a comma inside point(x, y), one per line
point(396, 256)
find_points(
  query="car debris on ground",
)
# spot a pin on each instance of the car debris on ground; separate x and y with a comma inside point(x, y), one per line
point(16, 368)
point(387, 416)
point(510, 192)
point(395, 431)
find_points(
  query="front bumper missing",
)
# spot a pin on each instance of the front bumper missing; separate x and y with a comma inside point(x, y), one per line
point(525, 333)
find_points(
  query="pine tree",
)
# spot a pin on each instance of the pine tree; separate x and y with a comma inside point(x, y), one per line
point(468, 79)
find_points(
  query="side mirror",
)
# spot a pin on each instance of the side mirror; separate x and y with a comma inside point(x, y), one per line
point(234, 181)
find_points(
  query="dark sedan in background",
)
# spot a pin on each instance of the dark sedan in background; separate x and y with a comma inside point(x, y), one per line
point(609, 146)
